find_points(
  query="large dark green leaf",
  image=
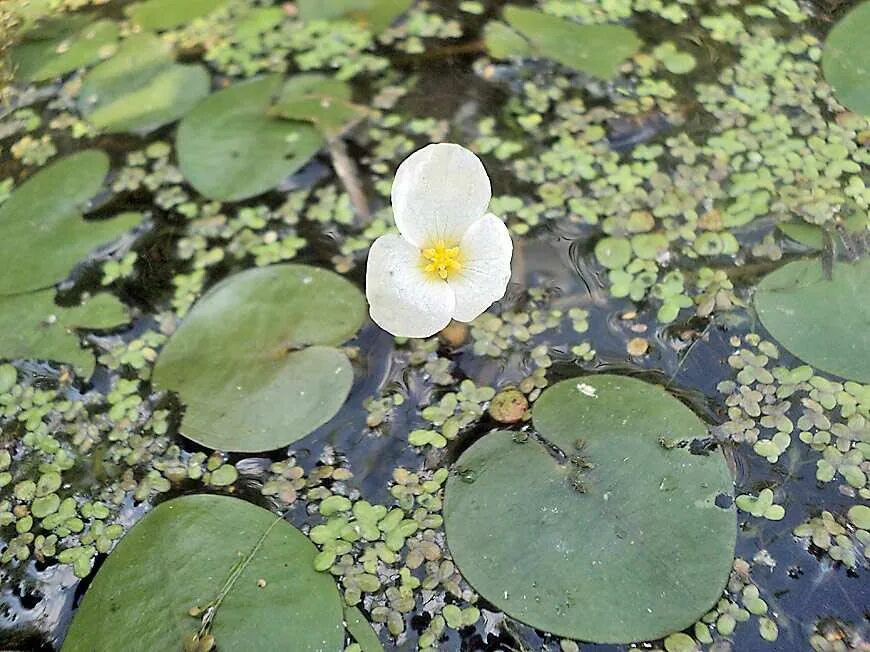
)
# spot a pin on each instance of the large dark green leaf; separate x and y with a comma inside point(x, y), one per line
point(62, 45)
point(846, 62)
point(614, 538)
point(595, 49)
point(377, 15)
point(32, 327)
point(42, 233)
point(230, 149)
point(195, 550)
point(254, 362)
point(141, 88)
point(167, 14)
point(825, 322)
point(321, 100)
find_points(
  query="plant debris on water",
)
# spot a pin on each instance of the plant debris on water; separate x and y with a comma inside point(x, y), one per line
point(659, 435)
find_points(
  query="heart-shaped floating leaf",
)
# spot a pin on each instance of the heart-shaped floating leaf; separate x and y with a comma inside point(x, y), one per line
point(141, 88)
point(167, 14)
point(254, 361)
point(845, 61)
point(377, 15)
point(595, 49)
point(608, 533)
point(323, 101)
point(230, 149)
point(42, 233)
point(251, 567)
point(62, 45)
point(822, 321)
point(33, 327)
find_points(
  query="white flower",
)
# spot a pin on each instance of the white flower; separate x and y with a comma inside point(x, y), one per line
point(452, 259)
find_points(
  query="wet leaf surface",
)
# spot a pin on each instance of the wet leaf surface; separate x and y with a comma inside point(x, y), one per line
point(230, 149)
point(141, 88)
point(822, 321)
point(254, 362)
point(60, 46)
point(32, 326)
point(166, 14)
point(616, 539)
point(595, 49)
point(375, 14)
point(189, 552)
point(845, 61)
point(42, 232)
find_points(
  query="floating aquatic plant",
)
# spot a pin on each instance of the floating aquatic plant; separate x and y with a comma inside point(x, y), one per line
point(614, 452)
point(452, 259)
point(256, 341)
point(235, 575)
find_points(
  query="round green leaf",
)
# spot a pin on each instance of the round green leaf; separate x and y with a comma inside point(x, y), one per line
point(166, 14)
point(613, 253)
point(594, 49)
point(33, 327)
point(611, 536)
point(62, 45)
point(253, 361)
point(376, 15)
point(845, 61)
point(141, 88)
point(321, 100)
point(230, 149)
point(42, 233)
point(822, 321)
point(502, 42)
point(196, 549)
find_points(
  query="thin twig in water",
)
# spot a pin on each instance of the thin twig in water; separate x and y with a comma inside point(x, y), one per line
point(346, 171)
point(687, 353)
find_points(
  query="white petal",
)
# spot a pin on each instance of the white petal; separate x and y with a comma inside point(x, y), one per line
point(437, 194)
point(403, 300)
point(486, 250)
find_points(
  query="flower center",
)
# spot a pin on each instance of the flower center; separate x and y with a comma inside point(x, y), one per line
point(441, 260)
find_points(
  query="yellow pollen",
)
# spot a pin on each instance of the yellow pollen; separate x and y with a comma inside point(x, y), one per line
point(441, 260)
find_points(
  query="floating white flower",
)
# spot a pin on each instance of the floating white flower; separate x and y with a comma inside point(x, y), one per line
point(452, 259)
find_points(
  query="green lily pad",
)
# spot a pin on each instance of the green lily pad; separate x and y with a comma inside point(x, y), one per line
point(613, 253)
point(377, 15)
point(361, 630)
point(813, 235)
point(809, 235)
point(323, 101)
point(594, 49)
point(230, 149)
point(252, 23)
point(254, 361)
point(33, 327)
point(193, 550)
point(824, 322)
point(617, 538)
point(42, 233)
point(845, 61)
point(502, 42)
point(62, 45)
point(167, 14)
point(141, 88)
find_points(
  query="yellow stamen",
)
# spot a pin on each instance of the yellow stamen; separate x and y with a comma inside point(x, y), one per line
point(441, 260)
